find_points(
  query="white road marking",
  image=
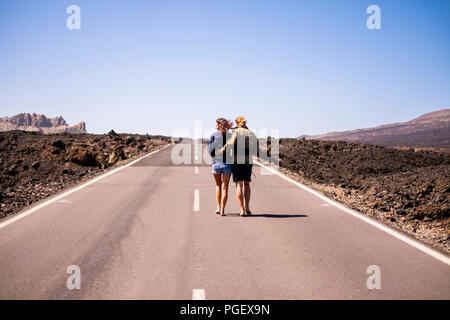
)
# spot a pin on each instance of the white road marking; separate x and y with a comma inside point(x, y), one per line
point(198, 294)
point(65, 194)
point(63, 201)
point(196, 170)
point(416, 244)
point(196, 200)
point(325, 205)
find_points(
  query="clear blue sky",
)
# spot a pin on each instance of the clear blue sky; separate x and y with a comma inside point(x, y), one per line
point(304, 67)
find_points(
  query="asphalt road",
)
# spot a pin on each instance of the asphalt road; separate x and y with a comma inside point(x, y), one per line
point(134, 234)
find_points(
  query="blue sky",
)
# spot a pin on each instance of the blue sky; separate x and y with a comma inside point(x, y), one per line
point(303, 67)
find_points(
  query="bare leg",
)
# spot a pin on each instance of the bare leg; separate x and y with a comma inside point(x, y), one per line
point(218, 180)
point(247, 194)
point(223, 203)
point(240, 196)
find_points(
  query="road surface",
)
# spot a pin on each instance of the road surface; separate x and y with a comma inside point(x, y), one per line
point(149, 231)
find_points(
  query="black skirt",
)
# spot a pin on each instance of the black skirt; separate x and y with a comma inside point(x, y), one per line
point(242, 172)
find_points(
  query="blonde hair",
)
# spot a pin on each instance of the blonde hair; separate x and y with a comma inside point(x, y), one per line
point(223, 124)
point(241, 122)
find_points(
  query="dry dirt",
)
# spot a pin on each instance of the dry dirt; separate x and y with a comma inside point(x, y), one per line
point(406, 189)
point(34, 166)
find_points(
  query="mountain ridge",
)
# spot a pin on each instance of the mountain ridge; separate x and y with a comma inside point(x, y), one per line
point(430, 130)
point(40, 123)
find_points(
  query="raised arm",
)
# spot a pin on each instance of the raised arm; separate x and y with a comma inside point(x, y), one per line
point(229, 143)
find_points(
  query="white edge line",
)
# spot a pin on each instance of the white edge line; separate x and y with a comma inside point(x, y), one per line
point(84, 185)
point(198, 294)
point(439, 256)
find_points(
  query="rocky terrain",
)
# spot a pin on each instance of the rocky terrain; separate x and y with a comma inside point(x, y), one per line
point(431, 130)
point(39, 123)
point(407, 189)
point(34, 166)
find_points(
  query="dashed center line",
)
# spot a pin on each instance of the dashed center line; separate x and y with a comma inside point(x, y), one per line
point(196, 170)
point(196, 200)
point(198, 294)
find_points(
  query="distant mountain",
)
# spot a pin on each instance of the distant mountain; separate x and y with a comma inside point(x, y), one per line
point(431, 130)
point(39, 123)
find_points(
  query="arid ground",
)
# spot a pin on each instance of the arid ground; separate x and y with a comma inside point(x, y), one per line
point(34, 166)
point(406, 189)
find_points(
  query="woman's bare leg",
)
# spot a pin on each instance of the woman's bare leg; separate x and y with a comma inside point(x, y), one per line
point(218, 180)
point(247, 194)
point(223, 203)
point(240, 196)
